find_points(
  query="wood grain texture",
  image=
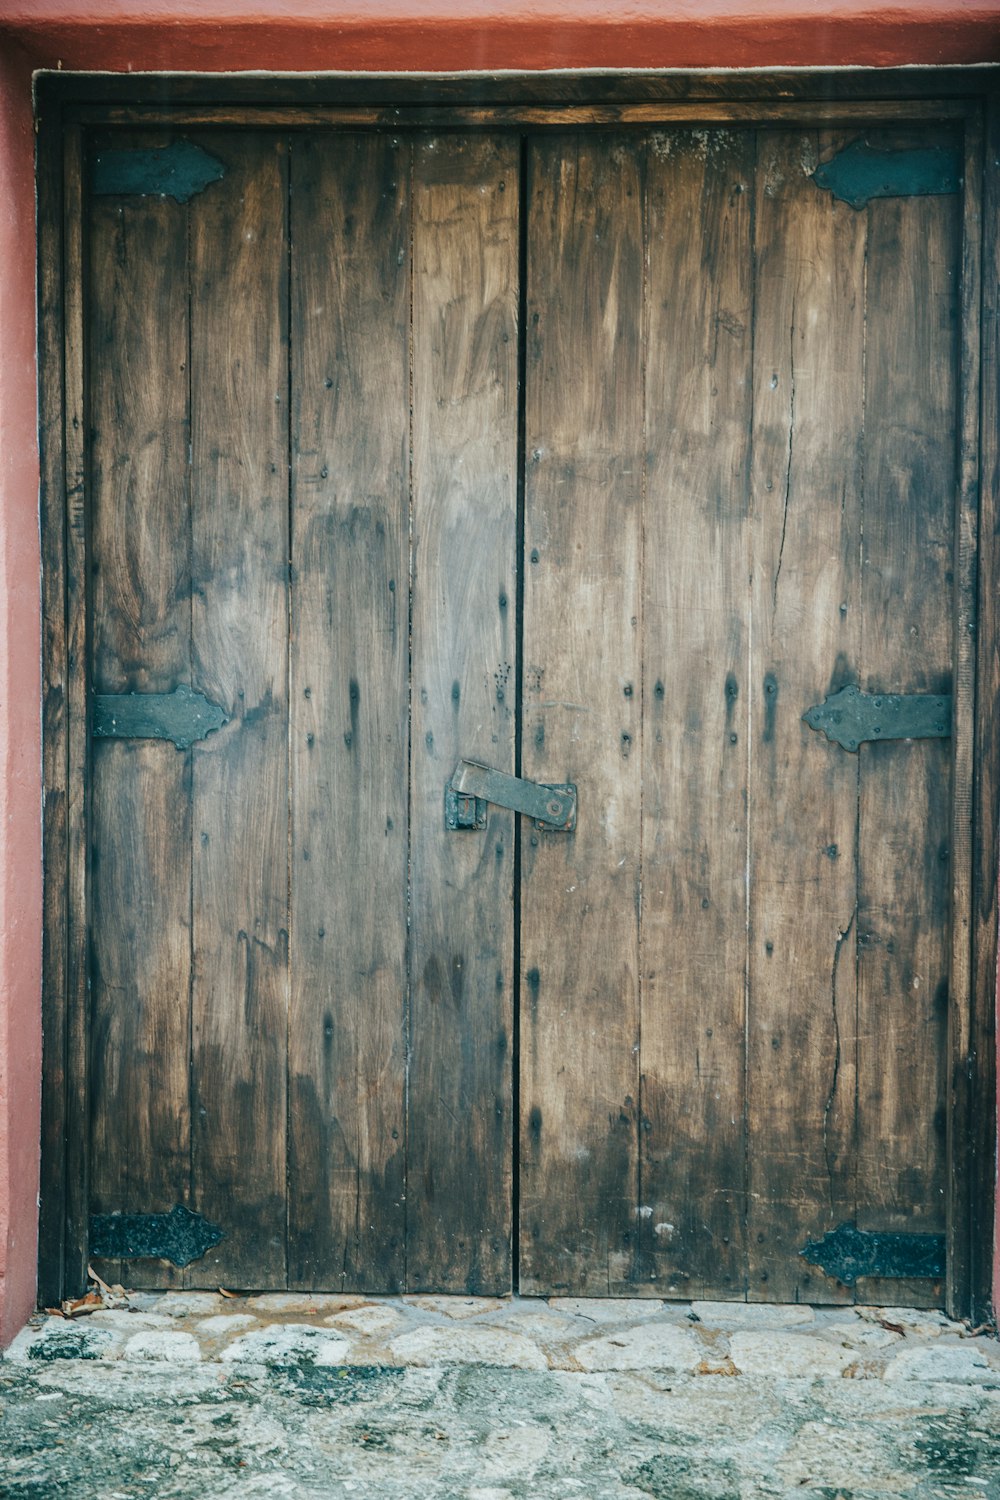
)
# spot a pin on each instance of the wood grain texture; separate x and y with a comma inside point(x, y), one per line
point(961, 1059)
point(140, 641)
point(582, 715)
point(239, 562)
point(464, 384)
point(55, 685)
point(675, 630)
point(941, 90)
point(350, 232)
point(910, 493)
point(807, 423)
point(982, 1142)
point(78, 737)
point(696, 641)
point(552, 116)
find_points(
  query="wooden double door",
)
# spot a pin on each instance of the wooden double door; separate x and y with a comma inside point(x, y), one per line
point(597, 458)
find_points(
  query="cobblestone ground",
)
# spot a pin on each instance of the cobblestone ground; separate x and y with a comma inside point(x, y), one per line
point(318, 1398)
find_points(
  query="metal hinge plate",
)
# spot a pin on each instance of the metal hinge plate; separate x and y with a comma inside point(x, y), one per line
point(181, 1236)
point(851, 717)
point(179, 171)
point(847, 1253)
point(861, 172)
point(182, 716)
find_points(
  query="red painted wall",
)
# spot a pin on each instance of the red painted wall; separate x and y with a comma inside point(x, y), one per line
point(300, 36)
point(442, 35)
point(20, 832)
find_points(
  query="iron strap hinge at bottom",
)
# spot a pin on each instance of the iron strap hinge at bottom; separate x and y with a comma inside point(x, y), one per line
point(473, 785)
point(180, 1236)
point(849, 1253)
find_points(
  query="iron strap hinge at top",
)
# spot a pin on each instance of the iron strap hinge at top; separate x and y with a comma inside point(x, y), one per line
point(474, 785)
point(182, 716)
point(851, 717)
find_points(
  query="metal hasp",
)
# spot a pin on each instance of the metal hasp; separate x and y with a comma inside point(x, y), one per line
point(851, 716)
point(860, 172)
point(182, 716)
point(178, 171)
point(848, 1253)
point(473, 785)
point(179, 1236)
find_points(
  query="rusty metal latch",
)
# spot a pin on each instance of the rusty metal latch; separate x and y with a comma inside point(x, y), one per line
point(553, 808)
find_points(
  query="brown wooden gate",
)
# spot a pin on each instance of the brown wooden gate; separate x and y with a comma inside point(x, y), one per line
point(598, 457)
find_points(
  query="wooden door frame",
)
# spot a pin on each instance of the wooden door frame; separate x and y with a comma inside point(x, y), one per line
point(71, 105)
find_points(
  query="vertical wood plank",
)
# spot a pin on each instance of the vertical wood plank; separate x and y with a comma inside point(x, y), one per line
point(349, 710)
point(960, 1062)
point(581, 711)
point(983, 1124)
point(78, 735)
point(465, 290)
point(806, 527)
point(911, 484)
point(140, 642)
point(696, 608)
point(64, 1154)
point(239, 442)
point(53, 353)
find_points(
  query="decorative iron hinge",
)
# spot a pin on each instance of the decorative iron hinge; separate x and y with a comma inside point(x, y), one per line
point(180, 1236)
point(851, 716)
point(182, 716)
point(848, 1253)
point(473, 786)
point(861, 172)
point(178, 171)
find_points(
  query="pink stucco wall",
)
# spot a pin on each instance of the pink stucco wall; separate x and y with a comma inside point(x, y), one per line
point(20, 830)
point(302, 36)
point(442, 35)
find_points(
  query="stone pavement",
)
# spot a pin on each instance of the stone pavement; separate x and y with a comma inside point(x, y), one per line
point(180, 1395)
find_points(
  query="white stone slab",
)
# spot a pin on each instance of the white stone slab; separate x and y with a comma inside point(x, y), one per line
point(863, 1336)
point(20, 1345)
point(457, 1307)
point(541, 1322)
point(162, 1346)
point(467, 1346)
point(65, 1339)
point(921, 1322)
point(366, 1320)
point(188, 1304)
point(284, 1343)
point(221, 1325)
point(304, 1302)
point(763, 1315)
point(121, 1320)
point(650, 1346)
point(607, 1309)
point(792, 1356)
point(963, 1365)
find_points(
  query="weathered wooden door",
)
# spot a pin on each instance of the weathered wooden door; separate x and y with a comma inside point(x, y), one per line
point(303, 392)
point(599, 459)
point(741, 490)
